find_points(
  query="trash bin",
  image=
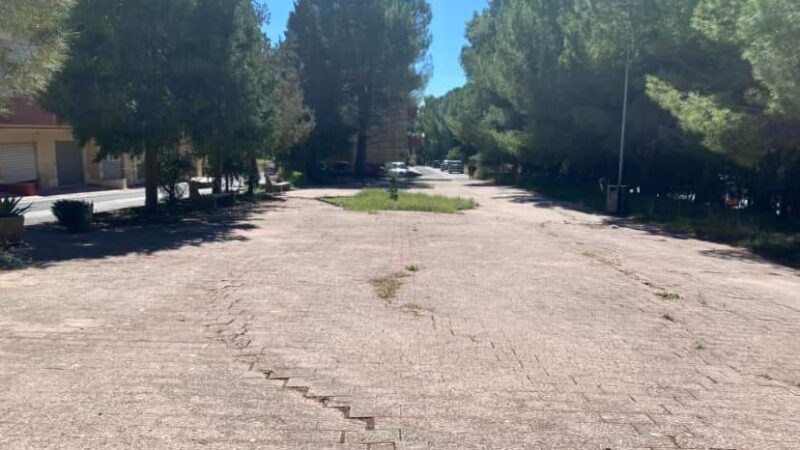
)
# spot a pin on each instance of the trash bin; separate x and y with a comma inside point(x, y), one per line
point(616, 200)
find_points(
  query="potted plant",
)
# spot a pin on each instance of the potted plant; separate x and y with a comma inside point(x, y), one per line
point(74, 215)
point(12, 219)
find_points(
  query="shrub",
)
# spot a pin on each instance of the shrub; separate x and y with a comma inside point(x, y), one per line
point(10, 260)
point(393, 192)
point(296, 178)
point(175, 168)
point(10, 207)
point(74, 215)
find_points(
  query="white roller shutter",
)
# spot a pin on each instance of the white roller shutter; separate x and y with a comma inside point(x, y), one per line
point(17, 163)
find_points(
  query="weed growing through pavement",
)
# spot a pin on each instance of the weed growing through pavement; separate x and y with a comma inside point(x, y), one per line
point(387, 286)
point(669, 295)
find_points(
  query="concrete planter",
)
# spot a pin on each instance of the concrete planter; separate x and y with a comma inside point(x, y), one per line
point(11, 228)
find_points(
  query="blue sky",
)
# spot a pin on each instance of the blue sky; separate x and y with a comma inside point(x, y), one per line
point(449, 21)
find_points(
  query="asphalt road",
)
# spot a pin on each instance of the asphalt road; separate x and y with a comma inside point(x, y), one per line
point(104, 201)
point(430, 172)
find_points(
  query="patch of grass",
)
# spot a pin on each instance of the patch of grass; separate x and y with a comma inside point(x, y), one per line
point(387, 286)
point(372, 200)
point(669, 295)
point(413, 267)
point(700, 345)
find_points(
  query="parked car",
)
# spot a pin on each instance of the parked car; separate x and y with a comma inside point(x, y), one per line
point(444, 164)
point(341, 169)
point(397, 169)
point(436, 164)
point(455, 167)
point(374, 170)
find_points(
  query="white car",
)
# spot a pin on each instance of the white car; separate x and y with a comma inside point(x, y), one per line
point(397, 169)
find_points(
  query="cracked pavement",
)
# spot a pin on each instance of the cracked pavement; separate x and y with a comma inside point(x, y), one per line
point(528, 326)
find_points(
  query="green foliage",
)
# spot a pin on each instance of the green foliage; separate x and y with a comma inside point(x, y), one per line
point(296, 178)
point(11, 258)
point(121, 85)
point(359, 60)
point(227, 86)
point(373, 200)
point(714, 90)
point(175, 169)
point(74, 215)
point(11, 207)
point(394, 193)
point(143, 78)
point(33, 44)
point(455, 154)
point(412, 267)
point(292, 121)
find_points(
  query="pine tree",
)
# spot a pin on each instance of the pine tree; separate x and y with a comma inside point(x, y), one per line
point(120, 85)
point(33, 44)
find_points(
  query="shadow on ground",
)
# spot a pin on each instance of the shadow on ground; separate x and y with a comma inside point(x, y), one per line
point(46, 245)
point(736, 252)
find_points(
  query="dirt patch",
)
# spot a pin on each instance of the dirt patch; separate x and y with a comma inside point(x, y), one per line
point(387, 286)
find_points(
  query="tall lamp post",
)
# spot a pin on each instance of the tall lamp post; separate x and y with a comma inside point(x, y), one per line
point(620, 192)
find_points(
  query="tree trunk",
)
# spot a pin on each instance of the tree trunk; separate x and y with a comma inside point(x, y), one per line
point(364, 121)
point(151, 179)
point(254, 176)
point(217, 172)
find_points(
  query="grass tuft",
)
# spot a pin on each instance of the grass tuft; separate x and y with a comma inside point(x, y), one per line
point(669, 295)
point(387, 286)
point(413, 267)
point(373, 200)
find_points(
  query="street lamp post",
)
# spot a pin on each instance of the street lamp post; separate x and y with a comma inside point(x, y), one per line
point(620, 194)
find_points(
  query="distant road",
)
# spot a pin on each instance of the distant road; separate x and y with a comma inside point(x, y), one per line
point(103, 201)
point(430, 172)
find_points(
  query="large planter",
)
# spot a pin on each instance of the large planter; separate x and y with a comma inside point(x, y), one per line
point(11, 228)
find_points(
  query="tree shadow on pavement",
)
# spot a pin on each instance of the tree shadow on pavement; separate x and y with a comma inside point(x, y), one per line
point(46, 245)
point(663, 230)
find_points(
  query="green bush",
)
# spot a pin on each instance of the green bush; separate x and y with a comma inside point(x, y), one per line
point(174, 169)
point(296, 178)
point(10, 207)
point(74, 215)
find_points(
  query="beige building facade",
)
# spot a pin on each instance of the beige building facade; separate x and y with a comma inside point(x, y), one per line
point(36, 150)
